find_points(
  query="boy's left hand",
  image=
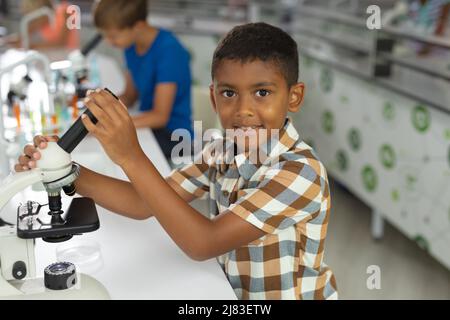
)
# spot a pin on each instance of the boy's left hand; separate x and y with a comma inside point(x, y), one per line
point(115, 129)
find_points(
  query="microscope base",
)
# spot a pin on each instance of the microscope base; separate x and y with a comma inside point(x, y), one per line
point(87, 288)
point(17, 261)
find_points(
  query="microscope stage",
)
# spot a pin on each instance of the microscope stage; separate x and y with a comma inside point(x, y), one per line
point(80, 217)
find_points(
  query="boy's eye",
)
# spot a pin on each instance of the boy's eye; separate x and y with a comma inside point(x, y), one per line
point(228, 93)
point(262, 93)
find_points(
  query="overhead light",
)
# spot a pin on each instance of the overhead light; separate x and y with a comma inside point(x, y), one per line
point(59, 65)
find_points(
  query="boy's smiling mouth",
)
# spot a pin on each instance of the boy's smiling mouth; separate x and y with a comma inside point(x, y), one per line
point(249, 130)
point(246, 128)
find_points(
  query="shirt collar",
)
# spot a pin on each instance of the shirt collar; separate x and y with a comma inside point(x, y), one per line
point(286, 139)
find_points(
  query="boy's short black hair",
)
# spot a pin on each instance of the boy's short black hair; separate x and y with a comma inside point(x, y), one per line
point(259, 41)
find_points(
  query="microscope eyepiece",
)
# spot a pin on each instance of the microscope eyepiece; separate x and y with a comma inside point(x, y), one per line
point(76, 133)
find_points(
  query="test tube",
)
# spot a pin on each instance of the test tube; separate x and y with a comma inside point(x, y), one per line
point(75, 106)
point(16, 112)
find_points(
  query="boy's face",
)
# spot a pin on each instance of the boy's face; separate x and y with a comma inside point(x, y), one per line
point(253, 96)
point(119, 38)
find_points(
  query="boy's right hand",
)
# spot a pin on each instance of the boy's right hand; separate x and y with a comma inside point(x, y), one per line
point(31, 153)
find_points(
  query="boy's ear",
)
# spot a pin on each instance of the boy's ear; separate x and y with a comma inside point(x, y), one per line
point(211, 96)
point(138, 26)
point(296, 94)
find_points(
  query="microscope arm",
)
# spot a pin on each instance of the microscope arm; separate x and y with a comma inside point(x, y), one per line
point(16, 182)
point(92, 44)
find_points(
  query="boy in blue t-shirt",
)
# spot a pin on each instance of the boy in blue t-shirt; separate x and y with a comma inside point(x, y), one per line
point(158, 72)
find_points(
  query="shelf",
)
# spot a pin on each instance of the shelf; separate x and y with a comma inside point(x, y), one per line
point(394, 85)
point(323, 13)
point(390, 84)
point(419, 65)
point(431, 40)
point(354, 71)
point(339, 42)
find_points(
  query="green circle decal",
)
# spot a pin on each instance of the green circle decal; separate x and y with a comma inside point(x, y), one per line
point(421, 118)
point(447, 134)
point(411, 181)
point(344, 99)
point(395, 195)
point(387, 156)
point(328, 121)
point(342, 160)
point(326, 80)
point(422, 242)
point(369, 178)
point(388, 111)
point(354, 139)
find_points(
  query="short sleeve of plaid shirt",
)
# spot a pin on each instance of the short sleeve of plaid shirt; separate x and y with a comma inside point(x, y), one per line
point(290, 192)
point(193, 179)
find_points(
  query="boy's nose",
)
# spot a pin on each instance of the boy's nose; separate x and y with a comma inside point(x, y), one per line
point(245, 108)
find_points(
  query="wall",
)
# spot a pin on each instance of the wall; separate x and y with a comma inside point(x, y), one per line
point(394, 153)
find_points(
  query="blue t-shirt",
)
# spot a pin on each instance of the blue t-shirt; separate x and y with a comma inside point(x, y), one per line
point(165, 61)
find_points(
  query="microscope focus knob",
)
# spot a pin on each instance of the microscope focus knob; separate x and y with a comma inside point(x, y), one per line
point(19, 270)
point(60, 276)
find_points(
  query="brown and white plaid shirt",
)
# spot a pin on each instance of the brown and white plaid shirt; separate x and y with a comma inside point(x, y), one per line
point(288, 197)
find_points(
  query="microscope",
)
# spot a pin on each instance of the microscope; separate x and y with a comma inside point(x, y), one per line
point(78, 59)
point(18, 90)
point(57, 173)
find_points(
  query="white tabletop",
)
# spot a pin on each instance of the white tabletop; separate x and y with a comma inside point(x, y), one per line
point(139, 260)
point(136, 259)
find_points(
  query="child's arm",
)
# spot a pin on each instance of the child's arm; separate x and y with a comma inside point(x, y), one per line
point(126, 201)
point(113, 194)
point(199, 237)
point(163, 101)
point(130, 95)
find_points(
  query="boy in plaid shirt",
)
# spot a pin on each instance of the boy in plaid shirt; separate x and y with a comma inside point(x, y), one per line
point(269, 213)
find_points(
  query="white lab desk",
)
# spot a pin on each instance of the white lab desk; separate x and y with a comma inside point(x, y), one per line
point(138, 259)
